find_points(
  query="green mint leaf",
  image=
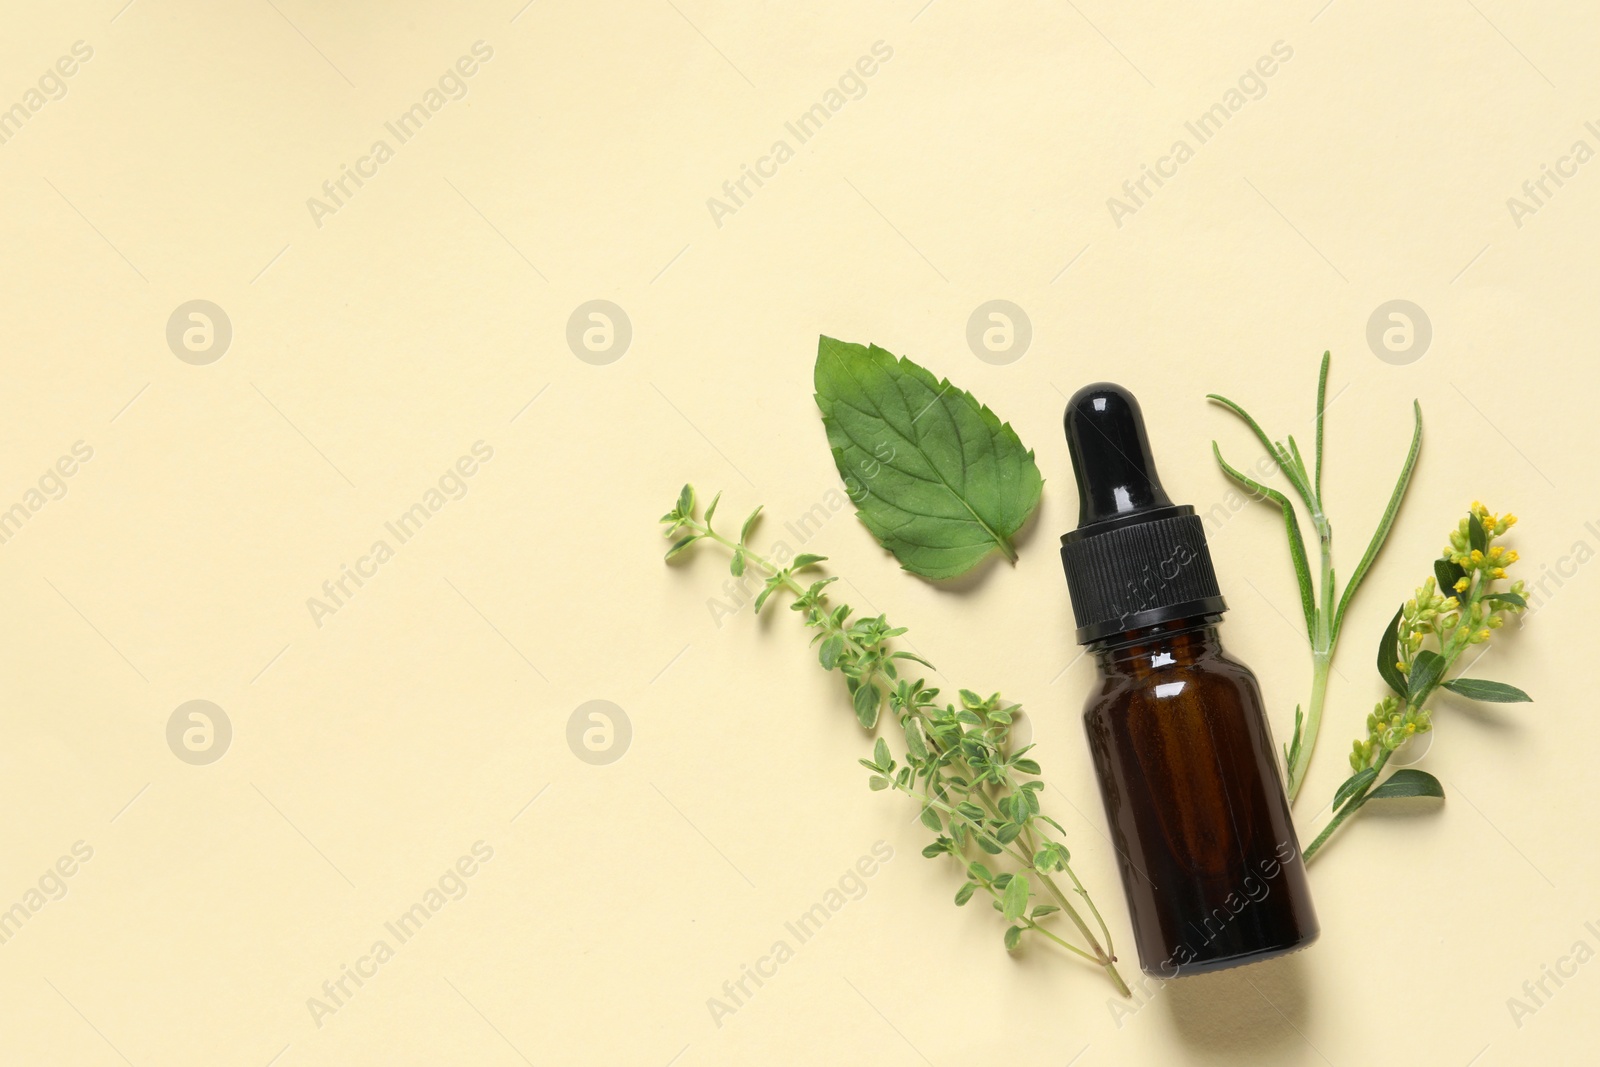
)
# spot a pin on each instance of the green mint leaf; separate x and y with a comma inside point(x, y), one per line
point(1482, 689)
point(1408, 782)
point(1388, 662)
point(936, 477)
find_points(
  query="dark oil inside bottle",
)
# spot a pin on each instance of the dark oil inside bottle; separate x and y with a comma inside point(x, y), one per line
point(1195, 802)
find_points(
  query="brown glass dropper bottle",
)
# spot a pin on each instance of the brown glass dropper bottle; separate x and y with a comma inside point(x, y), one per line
point(1209, 858)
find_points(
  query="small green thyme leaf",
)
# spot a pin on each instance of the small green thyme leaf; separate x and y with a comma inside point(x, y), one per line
point(866, 704)
point(749, 524)
point(1015, 899)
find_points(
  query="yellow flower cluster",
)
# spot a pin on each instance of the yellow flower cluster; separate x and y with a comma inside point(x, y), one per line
point(1467, 613)
point(1388, 727)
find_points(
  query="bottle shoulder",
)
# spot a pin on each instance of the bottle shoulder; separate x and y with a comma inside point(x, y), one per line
point(1213, 676)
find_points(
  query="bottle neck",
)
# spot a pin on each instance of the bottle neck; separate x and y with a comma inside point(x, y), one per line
point(1174, 643)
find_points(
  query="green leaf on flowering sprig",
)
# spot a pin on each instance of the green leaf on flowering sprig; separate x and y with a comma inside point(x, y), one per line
point(1408, 782)
point(1352, 785)
point(1389, 654)
point(1490, 692)
point(1426, 670)
point(1456, 608)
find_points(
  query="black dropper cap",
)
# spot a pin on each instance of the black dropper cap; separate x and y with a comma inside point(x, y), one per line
point(1136, 558)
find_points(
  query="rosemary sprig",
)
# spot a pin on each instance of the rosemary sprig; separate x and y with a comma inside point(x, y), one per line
point(1324, 613)
point(957, 765)
point(1455, 609)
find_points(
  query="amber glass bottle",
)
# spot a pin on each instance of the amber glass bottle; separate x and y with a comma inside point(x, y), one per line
point(1187, 769)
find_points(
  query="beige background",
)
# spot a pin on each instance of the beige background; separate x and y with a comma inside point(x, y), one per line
point(430, 312)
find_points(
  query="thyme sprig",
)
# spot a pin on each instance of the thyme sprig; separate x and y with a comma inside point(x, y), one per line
point(958, 762)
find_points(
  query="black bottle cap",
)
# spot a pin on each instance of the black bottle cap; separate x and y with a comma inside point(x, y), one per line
point(1136, 559)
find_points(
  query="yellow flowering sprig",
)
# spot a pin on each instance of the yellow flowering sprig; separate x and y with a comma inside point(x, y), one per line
point(1458, 607)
